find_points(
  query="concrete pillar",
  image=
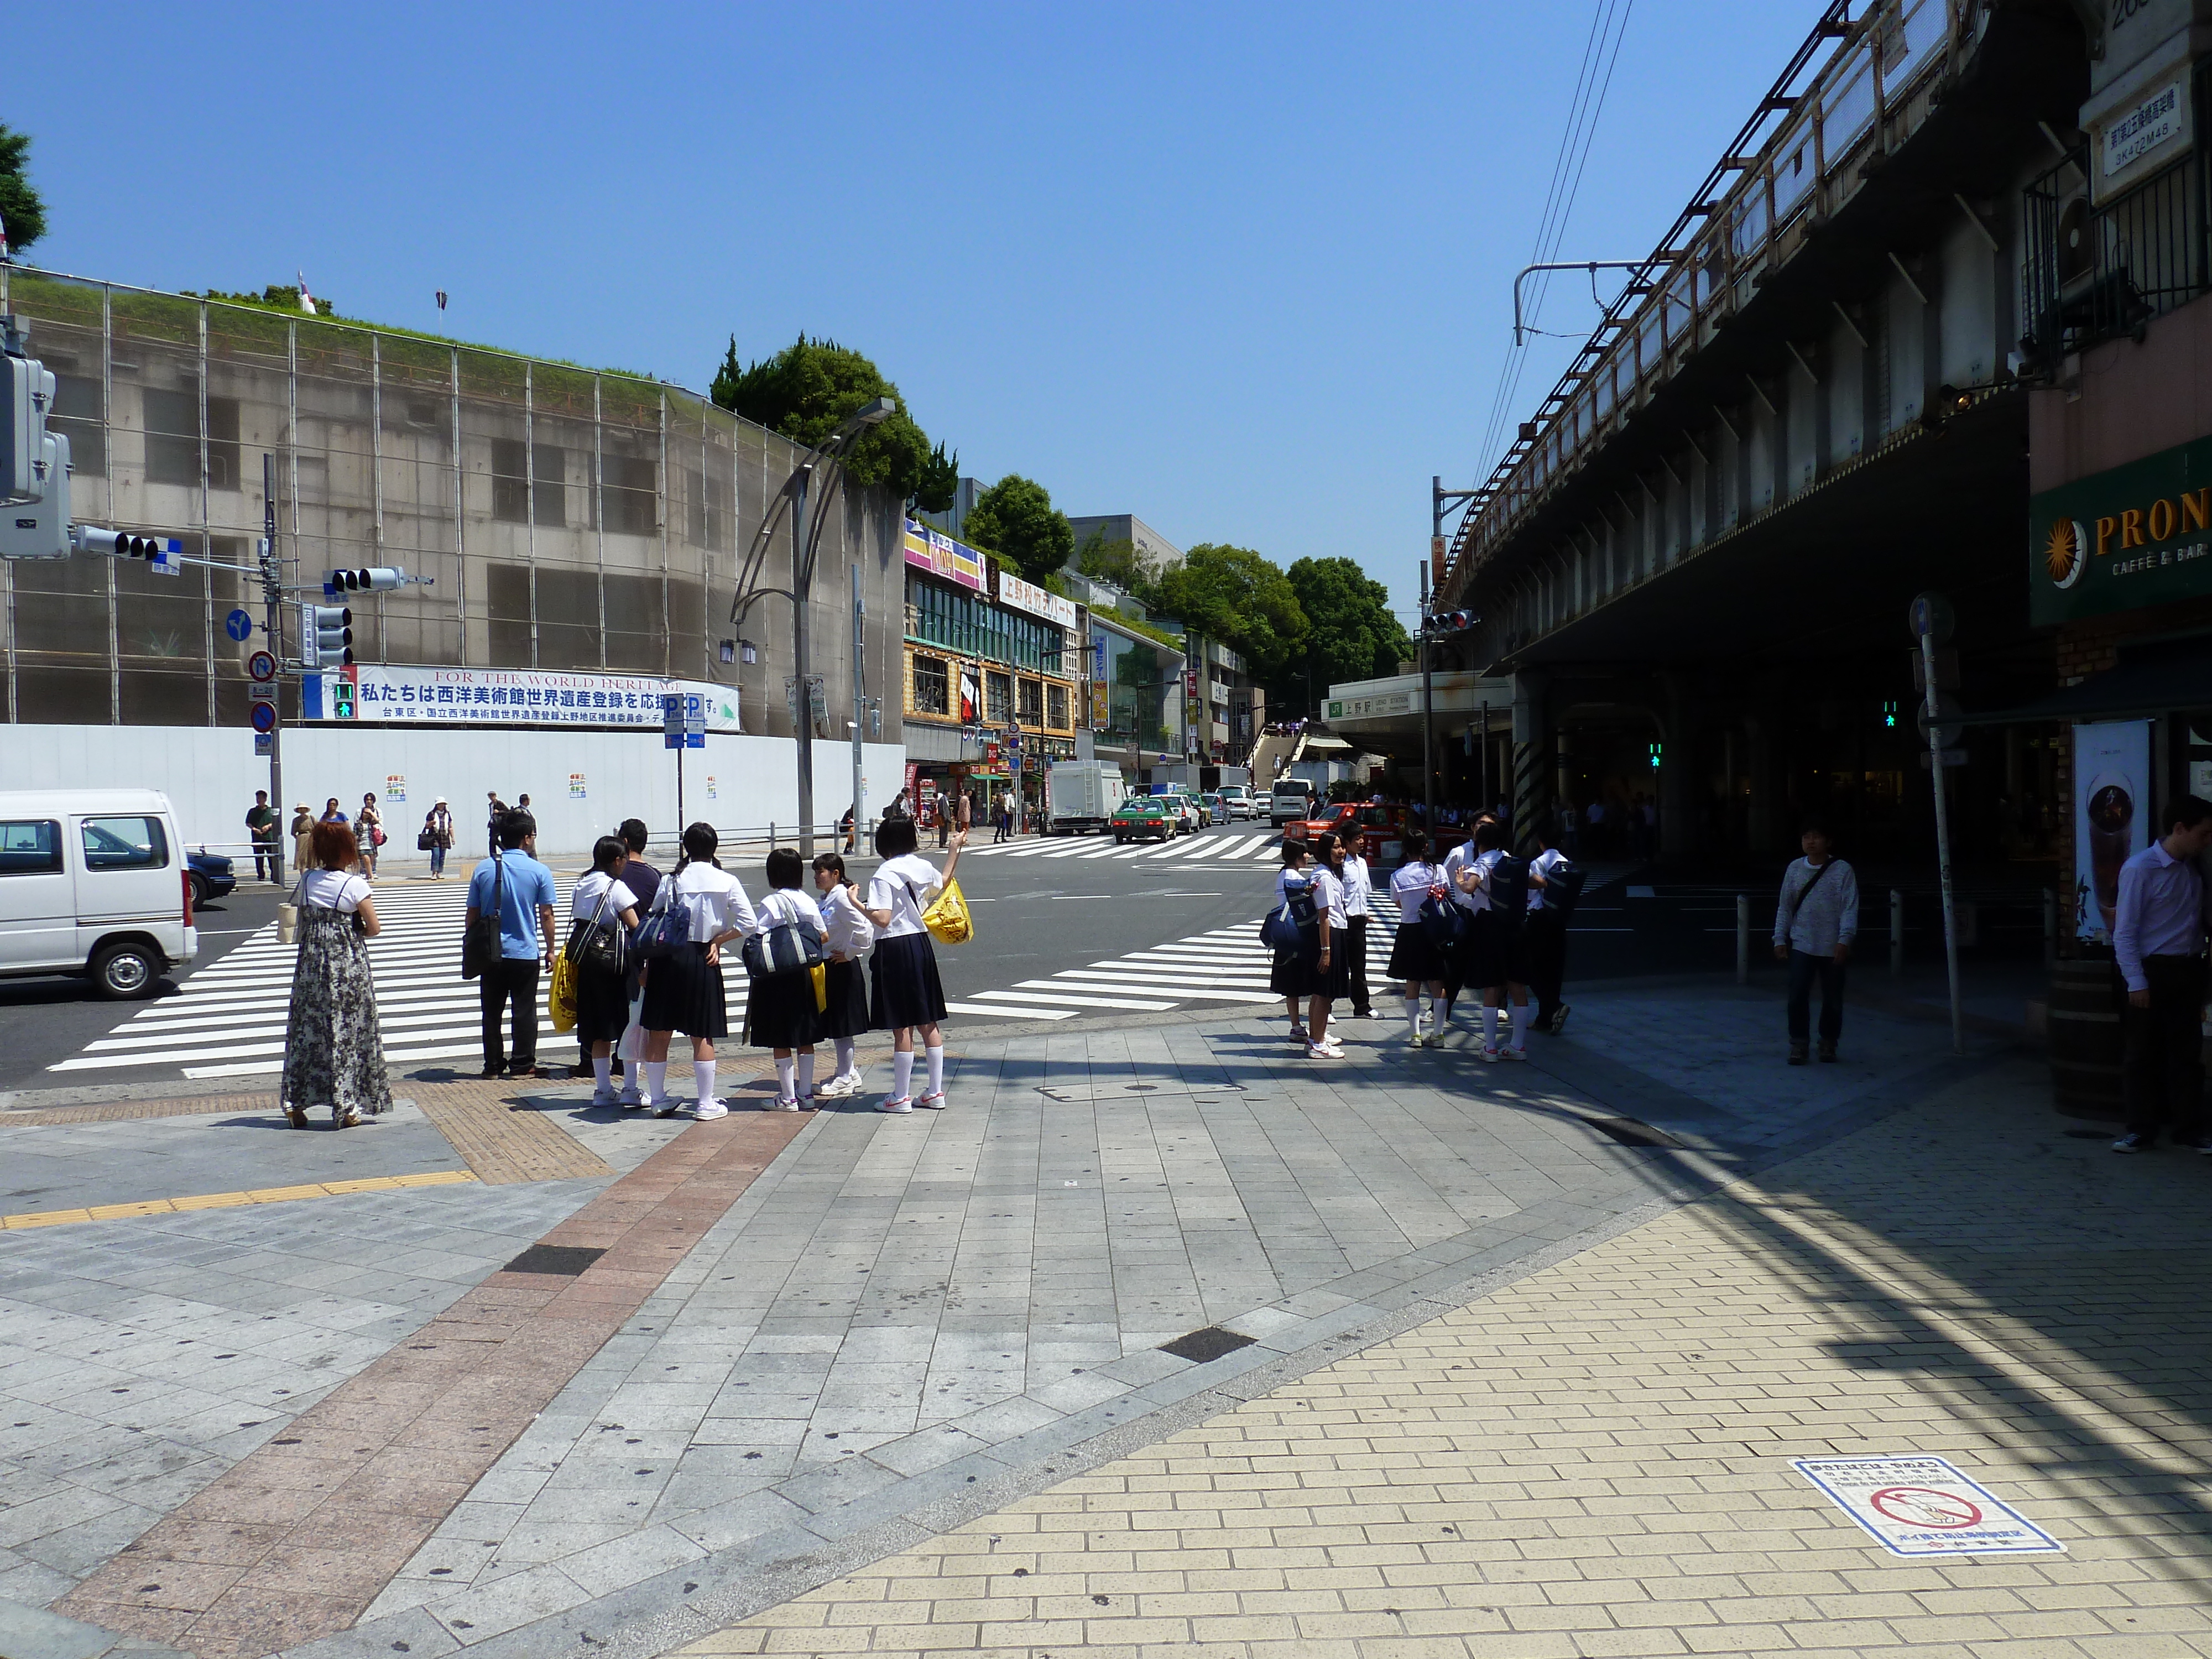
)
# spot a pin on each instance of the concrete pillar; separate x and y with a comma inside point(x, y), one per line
point(1532, 762)
point(1678, 829)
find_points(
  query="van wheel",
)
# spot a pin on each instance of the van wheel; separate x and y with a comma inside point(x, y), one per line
point(122, 972)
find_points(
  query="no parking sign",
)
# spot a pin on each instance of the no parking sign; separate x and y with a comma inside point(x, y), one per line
point(1923, 1506)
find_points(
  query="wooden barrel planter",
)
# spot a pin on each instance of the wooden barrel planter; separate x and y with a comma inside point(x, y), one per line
point(2085, 1040)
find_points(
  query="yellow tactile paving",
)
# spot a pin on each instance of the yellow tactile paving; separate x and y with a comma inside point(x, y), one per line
point(227, 1200)
point(1596, 1460)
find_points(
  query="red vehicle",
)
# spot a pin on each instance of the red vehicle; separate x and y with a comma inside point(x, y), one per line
point(1381, 829)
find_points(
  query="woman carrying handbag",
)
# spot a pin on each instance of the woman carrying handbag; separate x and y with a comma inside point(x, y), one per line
point(780, 1013)
point(602, 911)
point(905, 995)
point(702, 904)
point(334, 1049)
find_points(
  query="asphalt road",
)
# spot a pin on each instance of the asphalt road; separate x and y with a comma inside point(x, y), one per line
point(1035, 916)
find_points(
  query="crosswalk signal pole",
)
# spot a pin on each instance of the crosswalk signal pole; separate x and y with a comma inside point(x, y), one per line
point(272, 599)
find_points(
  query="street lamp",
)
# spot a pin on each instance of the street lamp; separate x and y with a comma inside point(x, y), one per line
point(805, 540)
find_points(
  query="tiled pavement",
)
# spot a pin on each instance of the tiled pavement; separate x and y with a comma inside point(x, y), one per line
point(905, 1324)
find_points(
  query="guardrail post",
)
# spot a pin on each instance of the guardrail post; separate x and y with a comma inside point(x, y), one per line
point(1743, 938)
point(1896, 934)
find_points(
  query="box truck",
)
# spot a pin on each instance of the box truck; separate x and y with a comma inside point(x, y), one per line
point(1081, 795)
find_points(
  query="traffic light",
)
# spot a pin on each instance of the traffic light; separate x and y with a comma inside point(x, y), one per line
point(28, 457)
point(40, 529)
point(384, 578)
point(1452, 622)
point(325, 636)
point(1658, 752)
point(161, 552)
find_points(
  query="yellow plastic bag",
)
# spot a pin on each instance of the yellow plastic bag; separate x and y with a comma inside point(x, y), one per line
point(819, 973)
point(947, 917)
point(562, 999)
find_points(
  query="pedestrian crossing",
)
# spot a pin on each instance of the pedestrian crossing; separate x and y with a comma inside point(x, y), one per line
point(1238, 851)
point(228, 1019)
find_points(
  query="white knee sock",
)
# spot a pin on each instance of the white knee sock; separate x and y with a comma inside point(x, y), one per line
point(844, 1056)
point(702, 1077)
point(1414, 1016)
point(783, 1068)
point(901, 1073)
point(1489, 1026)
point(656, 1080)
point(806, 1076)
point(1522, 1013)
point(603, 1072)
point(936, 1059)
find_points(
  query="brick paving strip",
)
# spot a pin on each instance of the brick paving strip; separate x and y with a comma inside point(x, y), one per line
point(119, 1110)
point(296, 1540)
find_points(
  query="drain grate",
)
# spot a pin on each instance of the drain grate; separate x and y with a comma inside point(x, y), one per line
point(1210, 1343)
point(565, 1260)
point(1629, 1132)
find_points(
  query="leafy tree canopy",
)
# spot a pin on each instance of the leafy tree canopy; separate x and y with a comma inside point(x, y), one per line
point(20, 209)
point(1239, 597)
point(1015, 519)
point(1118, 562)
point(938, 486)
point(1352, 633)
point(808, 391)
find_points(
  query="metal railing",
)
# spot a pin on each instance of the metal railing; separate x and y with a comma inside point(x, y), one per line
point(2099, 271)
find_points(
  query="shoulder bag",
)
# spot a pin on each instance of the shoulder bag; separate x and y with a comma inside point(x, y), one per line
point(1286, 926)
point(480, 939)
point(1803, 893)
point(592, 940)
point(947, 917)
point(780, 947)
point(666, 928)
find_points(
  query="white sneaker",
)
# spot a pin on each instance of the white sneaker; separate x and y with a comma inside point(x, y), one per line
point(851, 1084)
point(704, 1109)
point(1322, 1051)
point(900, 1103)
point(603, 1097)
point(1490, 1052)
point(838, 1087)
point(786, 1103)
point(1512, 1054)
point(629, 1100)
point(930, 1103)
point(1331, 1048)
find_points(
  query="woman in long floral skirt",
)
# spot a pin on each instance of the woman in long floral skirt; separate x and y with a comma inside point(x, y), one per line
point(334, 1049)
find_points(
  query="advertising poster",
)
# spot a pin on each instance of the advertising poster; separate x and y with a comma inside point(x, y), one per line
point(395, 786)
point(2112, 818)
point(576, 786)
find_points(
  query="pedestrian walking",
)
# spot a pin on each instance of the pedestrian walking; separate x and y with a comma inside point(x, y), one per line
point(1465, 957)
point(1415, 957)
point(261, 830)
point(780, 1011)
point(684, 989)
point(1815, 919)
point(303, 839)
point(845, 1014)
point(944, 819)
point(436, 836)
point(1552, 885)
point(848, 830)
point(495, 810)
point(1496, 952)
point(1002, 826)
point(602, 911)
point(334, 1049)
point(369, 830)
point(514, 887)
point(1331, 971)
point(904, 994)
point(967, 810)
point(1288, 975)
point(2158, 945)
point(1358, 910)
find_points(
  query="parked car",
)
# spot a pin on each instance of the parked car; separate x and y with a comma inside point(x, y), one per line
point(1181, 801)
point(1217, 809)
point(1143, 817)
point(1291, 799)
point(210, 875)
point(1236, 798)
point(96, 885)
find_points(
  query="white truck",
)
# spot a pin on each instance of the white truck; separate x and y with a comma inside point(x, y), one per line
point(96, 884)
point(1081, 795)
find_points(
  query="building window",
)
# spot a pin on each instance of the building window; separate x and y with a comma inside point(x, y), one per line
point(1032, 703)
point(549, 484)
point(173, 439)
point(932, 692)
point(629, 493)
point(75, 415)
point(1055, 708)
point(998, 698)
point(510, 481)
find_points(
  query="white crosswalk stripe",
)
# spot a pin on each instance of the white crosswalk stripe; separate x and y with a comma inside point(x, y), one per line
point(1229, 848)
point(230, 1018)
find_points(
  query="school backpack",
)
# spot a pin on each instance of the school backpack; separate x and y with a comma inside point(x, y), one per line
point(1509, 892)
point(1444, 922)
point(782, 946)
point(1285, 928)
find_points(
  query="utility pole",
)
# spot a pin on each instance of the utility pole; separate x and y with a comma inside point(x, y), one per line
point(1931, 617)
point(1428, 715)
point(859, 705)
point(272, 599)
point(803, 709)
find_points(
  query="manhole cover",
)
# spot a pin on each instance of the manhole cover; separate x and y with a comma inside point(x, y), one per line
point(566, 1259)
point(1209, 1343)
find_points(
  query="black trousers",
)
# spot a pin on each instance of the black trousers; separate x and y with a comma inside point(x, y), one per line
point(1355, 959)
point(1803, 971)
point(2162, 1054)
point(514, 978)
point(1544, 935)
point(265, 854)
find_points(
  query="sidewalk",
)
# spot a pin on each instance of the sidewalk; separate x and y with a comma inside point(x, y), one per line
point(1595, 1459)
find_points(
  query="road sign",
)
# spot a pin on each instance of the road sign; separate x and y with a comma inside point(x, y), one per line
point(264, 745)
point(262, 665)
point(1945, 720)
point(239, 624)
point(1923, 1506)
point(1931, 614)
point(260, 691)
point(264, 716)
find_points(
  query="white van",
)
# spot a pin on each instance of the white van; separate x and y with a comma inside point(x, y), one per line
point(1290, 799)
point(93, 882)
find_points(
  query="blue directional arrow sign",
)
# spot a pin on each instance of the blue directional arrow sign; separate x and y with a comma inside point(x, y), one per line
point(239, 624)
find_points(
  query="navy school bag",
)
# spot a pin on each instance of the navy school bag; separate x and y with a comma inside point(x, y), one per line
point(1286, 926)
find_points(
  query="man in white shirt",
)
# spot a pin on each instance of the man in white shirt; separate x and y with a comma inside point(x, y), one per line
point(1815, 919)
point(1544, 935)
point(1358, 906)
point(2158, 945)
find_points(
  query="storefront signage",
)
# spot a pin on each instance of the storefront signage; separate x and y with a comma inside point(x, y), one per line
point(2138, 535)
point(2112, 818)
point(1037, 601)
point(940, 555)
point(372, 692)
point(1390, 702)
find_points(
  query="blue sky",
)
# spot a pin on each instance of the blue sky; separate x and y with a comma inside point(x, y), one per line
point(1242, 270)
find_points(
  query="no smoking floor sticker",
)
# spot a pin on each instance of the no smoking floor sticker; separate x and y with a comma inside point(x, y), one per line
point(1923, 1506)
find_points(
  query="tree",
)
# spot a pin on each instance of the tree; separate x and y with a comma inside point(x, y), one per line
point(1118, 562)
point(21, 210)
point(1238, 597)
point(1352, 633)
point(938, 486)
point(807, 392)
point(1015, 519)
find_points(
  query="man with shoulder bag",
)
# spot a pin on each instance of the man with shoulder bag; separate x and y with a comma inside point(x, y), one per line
point(508, 940)
point(1815, 920)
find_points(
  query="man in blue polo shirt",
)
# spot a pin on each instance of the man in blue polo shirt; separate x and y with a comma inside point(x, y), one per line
point(525, 898)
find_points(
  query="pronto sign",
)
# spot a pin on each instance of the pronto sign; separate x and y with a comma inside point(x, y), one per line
point(2138, 535)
